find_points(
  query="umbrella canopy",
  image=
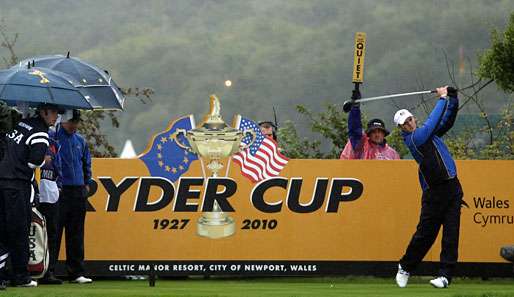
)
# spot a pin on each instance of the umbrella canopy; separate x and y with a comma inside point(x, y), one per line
point(34, 86)
point(92, 81)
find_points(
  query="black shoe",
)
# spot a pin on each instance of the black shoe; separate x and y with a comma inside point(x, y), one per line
point(3, 285)
point(29, 284)
point(50, 280)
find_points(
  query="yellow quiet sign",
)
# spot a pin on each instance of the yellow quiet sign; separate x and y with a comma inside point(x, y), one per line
point(358, 57)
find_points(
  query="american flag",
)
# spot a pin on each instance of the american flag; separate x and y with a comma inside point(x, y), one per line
point(262, 160)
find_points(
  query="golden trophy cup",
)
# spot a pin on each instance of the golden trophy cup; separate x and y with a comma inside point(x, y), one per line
point(215, 140)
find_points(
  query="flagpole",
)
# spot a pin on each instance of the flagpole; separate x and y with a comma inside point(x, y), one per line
point(228, 166)
point(238, 122)
point(201, 165)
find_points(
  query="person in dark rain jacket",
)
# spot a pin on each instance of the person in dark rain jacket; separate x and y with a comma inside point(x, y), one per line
point(25, 149)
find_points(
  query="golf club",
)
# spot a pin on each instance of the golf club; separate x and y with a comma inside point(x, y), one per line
point(347, 105)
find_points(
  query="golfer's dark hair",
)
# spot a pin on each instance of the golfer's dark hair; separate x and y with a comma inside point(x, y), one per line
point(47, 106)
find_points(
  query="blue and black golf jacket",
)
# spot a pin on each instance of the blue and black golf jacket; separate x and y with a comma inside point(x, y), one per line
point(75, 158)
point(436, 164)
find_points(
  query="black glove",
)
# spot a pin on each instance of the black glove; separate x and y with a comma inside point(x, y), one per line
point(356, 95)
point(36, 201)
point(452, 92)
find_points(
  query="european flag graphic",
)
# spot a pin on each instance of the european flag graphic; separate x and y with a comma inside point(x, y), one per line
point(167, 159)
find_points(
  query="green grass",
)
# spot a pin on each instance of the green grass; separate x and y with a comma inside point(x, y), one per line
point(270, 287)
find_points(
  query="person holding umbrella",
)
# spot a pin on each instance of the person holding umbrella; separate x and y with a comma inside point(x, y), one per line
point(442, 192)
point(370, 145)
point(25, 149)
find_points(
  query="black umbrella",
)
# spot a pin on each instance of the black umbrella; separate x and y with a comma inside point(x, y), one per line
point(94, 83)
point(33, 86)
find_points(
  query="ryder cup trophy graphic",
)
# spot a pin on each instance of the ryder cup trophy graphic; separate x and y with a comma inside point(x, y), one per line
point(214, 141)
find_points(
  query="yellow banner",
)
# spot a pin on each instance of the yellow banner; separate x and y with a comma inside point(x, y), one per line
point(358, 57)
point(317, 210)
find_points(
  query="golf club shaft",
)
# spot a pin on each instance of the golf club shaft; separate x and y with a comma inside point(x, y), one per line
point(394, 96)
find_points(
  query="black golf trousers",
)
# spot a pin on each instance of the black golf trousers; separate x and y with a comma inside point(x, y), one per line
point(72, 214)
point(440, 206)
point(15, 216)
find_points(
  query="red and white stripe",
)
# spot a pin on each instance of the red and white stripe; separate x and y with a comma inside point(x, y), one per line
point(266, 163)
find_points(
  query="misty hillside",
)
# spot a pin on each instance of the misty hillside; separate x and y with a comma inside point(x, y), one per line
point(276, 53)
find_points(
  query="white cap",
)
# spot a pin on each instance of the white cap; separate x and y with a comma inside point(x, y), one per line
point(401, 116)
point(67, 115)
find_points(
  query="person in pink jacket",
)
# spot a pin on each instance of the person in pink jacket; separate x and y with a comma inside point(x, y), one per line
point(370, 145)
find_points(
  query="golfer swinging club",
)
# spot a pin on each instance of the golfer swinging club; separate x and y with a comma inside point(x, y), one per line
point(442, 193)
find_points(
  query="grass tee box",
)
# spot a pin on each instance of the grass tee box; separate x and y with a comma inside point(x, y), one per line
point(277, 287)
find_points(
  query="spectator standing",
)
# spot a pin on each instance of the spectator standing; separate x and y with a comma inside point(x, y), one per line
point(269, 129)
point(370, 145)
point(49, 189)
point(76, 175)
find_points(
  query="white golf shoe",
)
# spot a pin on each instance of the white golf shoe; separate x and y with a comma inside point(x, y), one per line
point(82, 280)
point(402, 277)
point(440, 282)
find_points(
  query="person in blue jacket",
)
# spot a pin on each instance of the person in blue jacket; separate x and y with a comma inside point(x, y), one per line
point(442, 192)
point(76, 175)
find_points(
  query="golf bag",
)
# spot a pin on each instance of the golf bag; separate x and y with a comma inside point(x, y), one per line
point(38, 242)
